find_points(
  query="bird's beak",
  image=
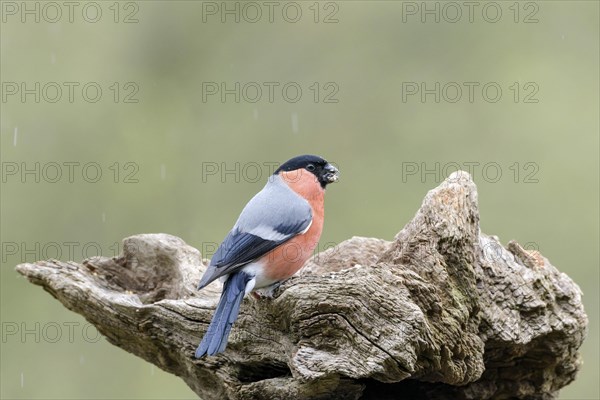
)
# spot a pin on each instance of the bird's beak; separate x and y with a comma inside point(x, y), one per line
point(331, 174)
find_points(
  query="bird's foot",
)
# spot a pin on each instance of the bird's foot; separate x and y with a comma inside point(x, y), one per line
point(266, 292)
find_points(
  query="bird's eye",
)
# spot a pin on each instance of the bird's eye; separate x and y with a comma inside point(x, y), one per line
point(310, 167)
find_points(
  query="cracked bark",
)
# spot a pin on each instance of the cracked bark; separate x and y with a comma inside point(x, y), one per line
point(441, 312)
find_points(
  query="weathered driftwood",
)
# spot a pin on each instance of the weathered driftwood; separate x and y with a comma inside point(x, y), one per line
point(441, 312)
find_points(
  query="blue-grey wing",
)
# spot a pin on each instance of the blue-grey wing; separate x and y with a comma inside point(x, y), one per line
point(275, 215)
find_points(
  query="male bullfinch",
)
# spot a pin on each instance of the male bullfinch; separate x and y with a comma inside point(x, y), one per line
point(273, 237)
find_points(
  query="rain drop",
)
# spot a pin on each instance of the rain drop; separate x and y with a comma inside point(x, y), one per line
point(15, 134)
point(81, 359)
point(163, 172)
point(22, 380)
point(103, 217)
point(255, 113)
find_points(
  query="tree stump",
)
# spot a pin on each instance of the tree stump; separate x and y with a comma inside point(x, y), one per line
point(441, 312)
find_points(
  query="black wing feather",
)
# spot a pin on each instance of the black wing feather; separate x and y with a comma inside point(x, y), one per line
point(241, 248)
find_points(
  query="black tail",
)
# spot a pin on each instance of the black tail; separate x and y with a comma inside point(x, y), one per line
point(215, 338)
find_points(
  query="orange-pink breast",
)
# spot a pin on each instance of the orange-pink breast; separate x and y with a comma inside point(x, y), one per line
point(285, 260)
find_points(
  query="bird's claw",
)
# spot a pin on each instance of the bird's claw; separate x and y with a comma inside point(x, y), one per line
point(266, 292)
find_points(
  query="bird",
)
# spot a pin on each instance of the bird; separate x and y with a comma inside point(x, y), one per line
point(274, 235)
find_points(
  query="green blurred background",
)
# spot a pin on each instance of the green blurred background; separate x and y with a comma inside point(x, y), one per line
point(157, 155)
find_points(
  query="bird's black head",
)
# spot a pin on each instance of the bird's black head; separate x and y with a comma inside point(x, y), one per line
point(325, 172)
